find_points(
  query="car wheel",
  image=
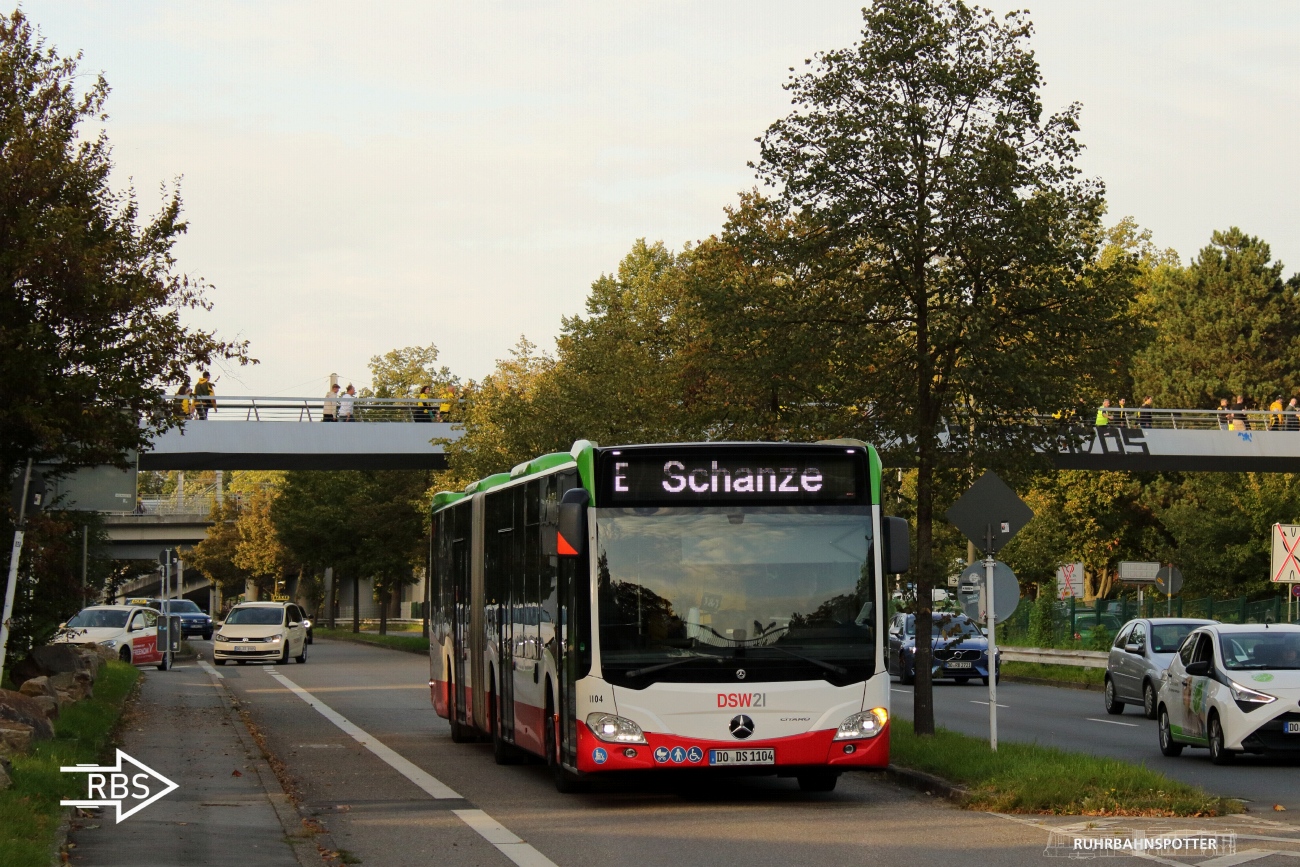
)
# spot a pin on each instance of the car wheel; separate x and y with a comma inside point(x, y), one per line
point(1219, 754)
point(125, 655)
point(302, 657)
point(1113, 705)
point(1168, 746)
point(1149, 700)
point(818, 781)
point(905, 677)
point(165, 663)
point(284, 654)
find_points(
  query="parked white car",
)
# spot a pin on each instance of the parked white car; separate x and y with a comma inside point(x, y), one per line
point(129, 630)
point(1233, 688)
point(262, 631)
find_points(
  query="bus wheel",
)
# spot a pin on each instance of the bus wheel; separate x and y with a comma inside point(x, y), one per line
point(502, 753)
point(818, 781)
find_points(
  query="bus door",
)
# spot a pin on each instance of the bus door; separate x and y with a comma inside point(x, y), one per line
point(478, 614)
point(460, 627)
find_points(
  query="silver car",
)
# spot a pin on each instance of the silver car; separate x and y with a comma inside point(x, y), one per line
point(1142, 651)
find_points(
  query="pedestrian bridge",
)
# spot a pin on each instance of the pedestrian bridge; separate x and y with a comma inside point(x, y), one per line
point(279, 433)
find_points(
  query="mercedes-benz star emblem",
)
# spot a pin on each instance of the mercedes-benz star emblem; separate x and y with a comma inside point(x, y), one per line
point(740, 674)
point(741, 727)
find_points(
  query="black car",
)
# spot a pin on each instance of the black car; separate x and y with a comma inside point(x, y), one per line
point(193, 620)
point(959, 649)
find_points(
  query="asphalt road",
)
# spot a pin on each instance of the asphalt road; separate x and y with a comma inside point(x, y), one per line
point(1076, 719)
point(387, 816)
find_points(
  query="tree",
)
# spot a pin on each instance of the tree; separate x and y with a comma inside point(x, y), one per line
point(214, 556)
point(1224, 325)
point(401, 372)
point(945, 226)
point(90, 312)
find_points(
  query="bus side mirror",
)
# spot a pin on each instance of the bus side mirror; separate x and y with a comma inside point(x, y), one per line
point(897, 548)
point(571, 526)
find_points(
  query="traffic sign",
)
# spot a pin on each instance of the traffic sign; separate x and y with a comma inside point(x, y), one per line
point(1295, 590)
point(989, 513)
point(1069, 581)
point(1285, 566)
point(1169, 580)
point(1006, 592)
point(1138, 572)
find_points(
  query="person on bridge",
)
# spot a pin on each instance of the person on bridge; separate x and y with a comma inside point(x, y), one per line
point(204, 396)
point(1293, 415)
point(424, 404)
point(1144, 412)
point(1239, 420)
point(1103, 413)
point(1275, 419)
point(448, 399)
point(347, 403)
point(184, 403)
point(330, 409)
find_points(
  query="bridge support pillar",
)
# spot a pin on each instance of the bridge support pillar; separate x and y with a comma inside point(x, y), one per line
point(250, 590)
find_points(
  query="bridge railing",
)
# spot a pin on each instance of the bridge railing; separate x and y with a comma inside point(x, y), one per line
point(312, 409)
point(1187, 419)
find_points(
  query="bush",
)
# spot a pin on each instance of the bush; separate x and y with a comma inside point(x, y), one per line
point(1043, 617)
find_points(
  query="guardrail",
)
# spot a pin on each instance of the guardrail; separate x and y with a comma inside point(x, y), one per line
point(313, 409)
point(1048, 656)
point(1185, 419)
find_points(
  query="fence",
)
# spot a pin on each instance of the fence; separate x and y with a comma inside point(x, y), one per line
point(307, 409)
point(1077, 621)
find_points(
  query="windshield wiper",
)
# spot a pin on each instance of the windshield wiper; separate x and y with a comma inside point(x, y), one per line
point(651, 669)
point(829, 666)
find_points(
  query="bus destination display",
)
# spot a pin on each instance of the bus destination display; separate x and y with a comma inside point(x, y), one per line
point(697, 477)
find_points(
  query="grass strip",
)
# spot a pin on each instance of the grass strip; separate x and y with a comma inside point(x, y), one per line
point(1028, 778)
point(1075, 674)
point(409, 643)
point(29, 810)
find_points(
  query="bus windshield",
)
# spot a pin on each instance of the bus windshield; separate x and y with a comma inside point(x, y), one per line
point(696, 593)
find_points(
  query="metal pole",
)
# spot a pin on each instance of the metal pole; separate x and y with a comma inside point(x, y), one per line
point(993, 643)
point(85, 552)
point(15, 555)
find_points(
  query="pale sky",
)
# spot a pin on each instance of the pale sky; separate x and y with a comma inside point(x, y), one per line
point(360, 177)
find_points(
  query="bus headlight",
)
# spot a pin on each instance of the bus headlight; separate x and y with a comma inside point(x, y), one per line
point(867, 724)
point(615, 729)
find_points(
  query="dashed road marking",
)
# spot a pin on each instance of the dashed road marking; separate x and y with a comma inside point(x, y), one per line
point(206, 666)
point(986, 704)
point(485, 826)
point(1112, 722)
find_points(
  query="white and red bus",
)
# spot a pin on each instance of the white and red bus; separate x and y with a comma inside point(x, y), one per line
point(669, 607)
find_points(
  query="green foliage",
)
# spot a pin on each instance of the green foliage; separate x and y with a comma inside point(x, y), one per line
point(29, 810)
point(401, 372)
point(1044, 617)
point(91, 305)
point(1028, 778)
point(1223, 326)
point(408, 643)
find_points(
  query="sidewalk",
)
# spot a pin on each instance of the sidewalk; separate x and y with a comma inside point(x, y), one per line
point(225, 811)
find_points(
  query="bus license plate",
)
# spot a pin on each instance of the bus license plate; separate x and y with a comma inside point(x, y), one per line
point(1293, 728)
point(742, 757)
point(958, 664)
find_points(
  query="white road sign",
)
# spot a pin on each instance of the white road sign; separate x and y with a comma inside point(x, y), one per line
point(1285, 568)
point(1138, 572)
point(1069, 581)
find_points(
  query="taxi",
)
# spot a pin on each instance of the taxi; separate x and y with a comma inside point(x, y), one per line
point(130, 630)
point(262, 632)
point(1233, 688)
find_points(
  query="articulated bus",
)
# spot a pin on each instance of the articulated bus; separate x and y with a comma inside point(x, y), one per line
point(703, 605)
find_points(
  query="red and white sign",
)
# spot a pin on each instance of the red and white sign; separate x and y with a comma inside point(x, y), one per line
point(1285, 567)
point(1069, 581)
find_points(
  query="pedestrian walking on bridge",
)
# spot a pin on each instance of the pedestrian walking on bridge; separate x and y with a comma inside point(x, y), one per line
point(204, 396)
point(1103, 413)
point(330, 410)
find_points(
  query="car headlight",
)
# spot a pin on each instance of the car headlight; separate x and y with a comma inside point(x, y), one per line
point(615, 729)
point(1249, 699)
point(306, 624)
point(274, 638)
point(220, 637)
point(112, 642)
point(867, 724)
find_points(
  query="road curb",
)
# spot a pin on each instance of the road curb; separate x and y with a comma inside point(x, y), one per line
point(350, 640)
point(1047, 681)
point(928, 783)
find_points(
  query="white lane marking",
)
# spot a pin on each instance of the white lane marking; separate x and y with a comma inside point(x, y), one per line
point(986, 704)
point(903, 691)
point(203, 664)
point(485, 826)
point(1111, 722)
point(1243, 857)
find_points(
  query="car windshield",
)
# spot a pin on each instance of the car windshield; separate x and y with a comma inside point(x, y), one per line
point(1267, 649)
point(950, 628)
point(256, 617)
point(1166, 637)
point(99, 618)
point(181, 606)
point(786, 589)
